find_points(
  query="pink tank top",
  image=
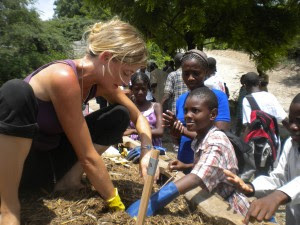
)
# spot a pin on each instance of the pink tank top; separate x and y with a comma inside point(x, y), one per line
point(151, 117)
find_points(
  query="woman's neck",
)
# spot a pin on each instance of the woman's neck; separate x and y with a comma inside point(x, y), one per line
point(86, 71)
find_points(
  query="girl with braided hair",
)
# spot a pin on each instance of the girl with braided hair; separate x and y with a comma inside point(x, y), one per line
point(194, 70)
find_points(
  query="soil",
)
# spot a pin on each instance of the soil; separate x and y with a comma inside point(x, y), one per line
point(86, 207)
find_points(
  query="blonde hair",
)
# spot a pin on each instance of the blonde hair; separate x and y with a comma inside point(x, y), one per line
point(120, 38)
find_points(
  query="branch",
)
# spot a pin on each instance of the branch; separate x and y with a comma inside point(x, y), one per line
point(173, 28)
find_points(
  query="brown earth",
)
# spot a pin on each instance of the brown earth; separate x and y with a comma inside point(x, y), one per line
point(86, 207)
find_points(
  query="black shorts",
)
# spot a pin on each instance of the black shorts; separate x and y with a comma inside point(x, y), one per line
point(108, 124)
point(45, 168)
point(18, 109)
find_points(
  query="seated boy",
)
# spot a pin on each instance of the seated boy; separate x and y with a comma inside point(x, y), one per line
point(213, 153)
point(282, 186)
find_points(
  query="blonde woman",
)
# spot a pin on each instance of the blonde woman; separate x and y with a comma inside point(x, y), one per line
point(41, 118)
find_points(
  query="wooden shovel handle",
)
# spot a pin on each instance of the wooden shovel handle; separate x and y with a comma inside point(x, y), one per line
point(153, 163)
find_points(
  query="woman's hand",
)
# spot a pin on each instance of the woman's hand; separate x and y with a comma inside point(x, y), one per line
point(238, 182)
point(144, 163)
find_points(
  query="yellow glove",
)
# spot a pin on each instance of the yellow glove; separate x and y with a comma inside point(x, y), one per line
point(115, 202)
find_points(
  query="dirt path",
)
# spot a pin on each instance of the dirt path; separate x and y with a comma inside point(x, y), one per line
point(231, 65)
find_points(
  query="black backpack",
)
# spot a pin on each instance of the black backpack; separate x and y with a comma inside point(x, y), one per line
point(243, 154)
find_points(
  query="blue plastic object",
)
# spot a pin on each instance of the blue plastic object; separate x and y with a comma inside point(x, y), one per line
point(134, 154)
point(162, 150)
point(157, 201)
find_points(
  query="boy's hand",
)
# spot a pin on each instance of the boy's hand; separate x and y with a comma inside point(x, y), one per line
point(238, 182)
point(264, 208)
point(176, 165)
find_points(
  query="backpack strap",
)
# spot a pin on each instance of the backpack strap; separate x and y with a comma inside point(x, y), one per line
point(252, 102)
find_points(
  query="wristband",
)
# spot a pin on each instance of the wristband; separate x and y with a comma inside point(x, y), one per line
point(147, 147)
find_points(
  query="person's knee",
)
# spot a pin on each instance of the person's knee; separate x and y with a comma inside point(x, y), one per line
point(124, 117)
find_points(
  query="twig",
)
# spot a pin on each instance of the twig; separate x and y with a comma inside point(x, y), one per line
point(92, 216)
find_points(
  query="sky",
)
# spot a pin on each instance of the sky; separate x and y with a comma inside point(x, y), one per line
point(45, 8)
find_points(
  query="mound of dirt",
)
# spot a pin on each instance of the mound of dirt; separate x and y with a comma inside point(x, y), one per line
point(86, 207)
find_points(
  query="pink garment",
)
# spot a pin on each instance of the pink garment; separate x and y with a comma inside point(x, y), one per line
point(151, 117)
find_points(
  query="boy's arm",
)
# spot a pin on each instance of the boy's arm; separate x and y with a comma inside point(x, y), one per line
point(189, 182)
point(166, 194)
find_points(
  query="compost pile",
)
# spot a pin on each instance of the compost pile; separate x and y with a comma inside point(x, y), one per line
point(86, 207)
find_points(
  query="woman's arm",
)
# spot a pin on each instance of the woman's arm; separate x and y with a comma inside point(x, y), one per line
point(141, 124)
point(67, 104)
point(158, 131)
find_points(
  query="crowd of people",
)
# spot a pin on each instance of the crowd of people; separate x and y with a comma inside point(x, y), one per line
point(46, 140)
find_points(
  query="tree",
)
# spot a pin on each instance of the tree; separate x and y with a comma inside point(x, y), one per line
point(26, 42)
point(71, 28)
point(262, 28)
point(80, 9)
point(72, 17)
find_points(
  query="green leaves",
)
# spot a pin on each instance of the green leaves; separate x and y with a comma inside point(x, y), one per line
point(263, 28)
point(26, 42)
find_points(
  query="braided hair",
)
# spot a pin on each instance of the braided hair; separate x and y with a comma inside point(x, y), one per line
point(137, 76)
point(196, 54)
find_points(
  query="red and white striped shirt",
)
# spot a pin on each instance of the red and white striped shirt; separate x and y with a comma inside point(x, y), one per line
point(213, 154)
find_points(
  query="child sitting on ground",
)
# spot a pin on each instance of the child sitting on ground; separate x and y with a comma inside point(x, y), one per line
point(213, 153)
point(140, 84)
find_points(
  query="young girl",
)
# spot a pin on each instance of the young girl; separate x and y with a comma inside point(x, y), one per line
point(140, 84)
